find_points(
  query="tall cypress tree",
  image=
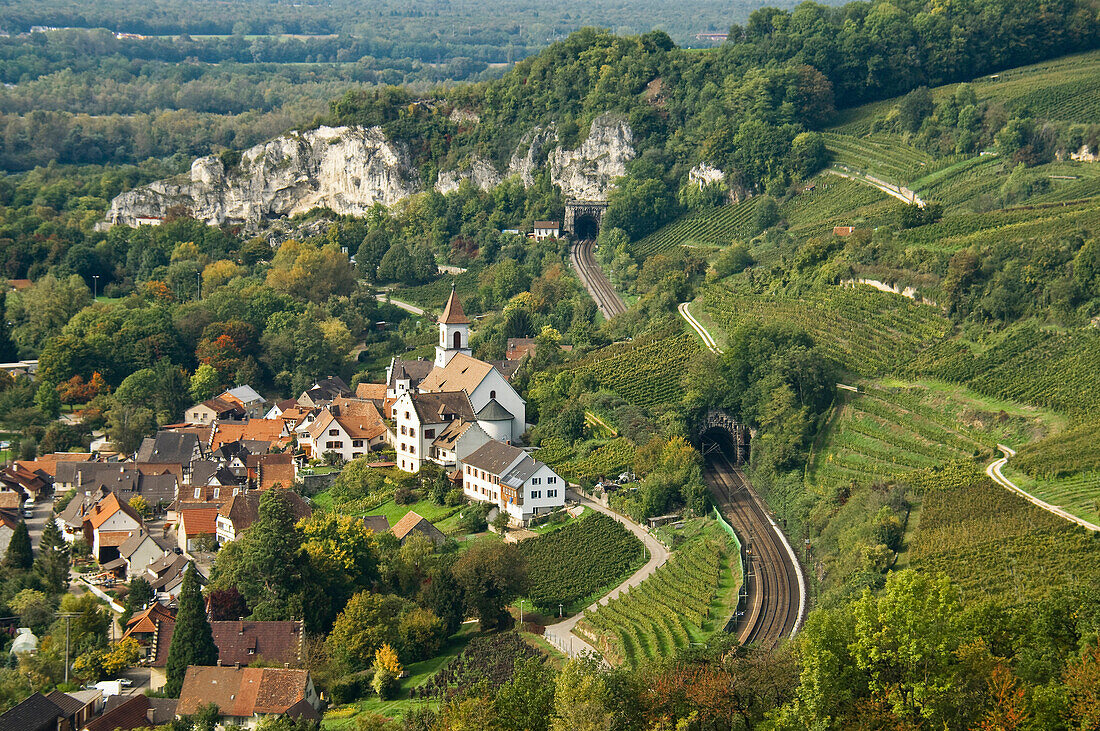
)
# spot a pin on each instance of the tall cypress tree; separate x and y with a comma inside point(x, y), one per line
point(52, 564)
point(19, 554)
point(192, 639)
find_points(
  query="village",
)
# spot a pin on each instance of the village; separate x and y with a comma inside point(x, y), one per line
point(196, 486)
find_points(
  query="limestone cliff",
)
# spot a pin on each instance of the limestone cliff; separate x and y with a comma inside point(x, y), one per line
point(588, 172)
point(350, 169)
point(347, 169)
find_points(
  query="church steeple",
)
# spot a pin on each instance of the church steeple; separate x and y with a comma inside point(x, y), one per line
point(454, 331)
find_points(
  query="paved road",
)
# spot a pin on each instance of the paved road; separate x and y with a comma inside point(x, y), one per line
point(561, 634)
point(384, 297)
point(994, 472)
point(708, 339)
point(43, 511)
point(594, 280)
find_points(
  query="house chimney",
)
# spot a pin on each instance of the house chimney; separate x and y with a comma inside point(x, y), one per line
point(237, 665)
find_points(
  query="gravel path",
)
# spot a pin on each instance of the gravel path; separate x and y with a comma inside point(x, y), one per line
point(994, 472)
point(561, 634)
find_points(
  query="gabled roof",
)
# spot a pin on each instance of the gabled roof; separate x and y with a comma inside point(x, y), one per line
point(107, 507)
point(494, 457)
point(66, 702)
point(10, 499)
point(493, 411)
point(129, 713)
point(242, 692)
point(36, 713)
point(48, 462)
point(413, 522)
point(264, 430)
point(243, 509)
point(442, 406)
point(546, 224)
point(371, 391)
point(147, 619)
point(246, 395)
point(366, 423)
point(223, 406)
point(169, 446)
point(451, 433)
point(246, 642)
point(462, 373)
point(452, 313)
point(199, 521)
point(414, 371)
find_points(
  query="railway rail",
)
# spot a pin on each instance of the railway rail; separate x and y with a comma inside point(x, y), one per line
point(594, 280)
point(775, 586)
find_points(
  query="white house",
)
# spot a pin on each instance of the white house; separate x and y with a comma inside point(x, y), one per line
point(347, 427)
point(423, 417)
point(140, 550)
point(110, 523)
point(546, 230)
point(511, 479)
point(252, 402)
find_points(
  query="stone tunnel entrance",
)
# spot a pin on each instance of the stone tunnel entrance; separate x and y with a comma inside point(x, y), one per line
point(719, 431)
point(583, 218)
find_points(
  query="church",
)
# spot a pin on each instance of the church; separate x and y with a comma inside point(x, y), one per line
point(447, 409)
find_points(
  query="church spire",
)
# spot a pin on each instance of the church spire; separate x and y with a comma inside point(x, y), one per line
point(453, 313)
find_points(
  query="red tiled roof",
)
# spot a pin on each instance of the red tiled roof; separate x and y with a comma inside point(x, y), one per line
point(113, 538)
point(242, 692)
point(197, 521)
point(107, 507)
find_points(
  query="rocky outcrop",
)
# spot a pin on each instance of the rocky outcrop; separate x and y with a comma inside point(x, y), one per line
point(588, 172)
point(347, 169)
point(703, 174)
point(531, 153)
point(476, 169)
point(351, 169)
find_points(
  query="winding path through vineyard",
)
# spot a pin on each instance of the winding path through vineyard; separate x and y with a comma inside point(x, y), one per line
point(902, 193)
point(708, 339)
point(994, 472)
point(561, 634)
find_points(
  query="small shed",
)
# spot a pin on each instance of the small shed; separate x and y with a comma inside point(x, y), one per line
point(414, 523)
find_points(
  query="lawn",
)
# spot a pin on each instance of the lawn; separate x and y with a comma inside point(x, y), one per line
point(344, 717)
point(425, 509)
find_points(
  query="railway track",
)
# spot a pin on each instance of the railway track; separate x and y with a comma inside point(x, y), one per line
point(594, 280)
point(776, 596)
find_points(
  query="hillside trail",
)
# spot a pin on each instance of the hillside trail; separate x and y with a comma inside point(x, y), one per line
point(994, 472)
point(708, 339)
point(902, 193)
point(561, 635)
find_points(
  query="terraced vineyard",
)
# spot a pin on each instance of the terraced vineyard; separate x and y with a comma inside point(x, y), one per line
point(1052, 369)
point(1078, 494)
point(994, 543)
point(886, 431)
point(667, 611)
point(865, 330)
point(713, 227)
point(832, 202)
point(646, 372)
point(1064, 454)
point(1064, 89)
point(606, 460)
point(880, 155)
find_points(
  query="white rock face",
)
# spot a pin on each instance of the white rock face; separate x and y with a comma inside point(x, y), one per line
point(347, 169)
point(477, 169)
point(350, 169)
point(531, 152)
point(587, 172)
point(703, 174)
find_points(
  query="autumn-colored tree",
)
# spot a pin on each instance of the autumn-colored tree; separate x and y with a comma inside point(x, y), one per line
point(1082, 680)
point(157, 290)
point(1009, 703)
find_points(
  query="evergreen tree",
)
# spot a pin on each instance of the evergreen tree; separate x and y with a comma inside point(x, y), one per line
point(274, 551)
point(141, 593)
point(52, 564)
point(192, 639)
point(19, 554)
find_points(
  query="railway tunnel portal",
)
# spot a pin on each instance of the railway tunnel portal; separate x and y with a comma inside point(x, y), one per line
point(719, 432)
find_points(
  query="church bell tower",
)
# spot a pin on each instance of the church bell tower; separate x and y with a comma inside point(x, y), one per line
point(454, 332)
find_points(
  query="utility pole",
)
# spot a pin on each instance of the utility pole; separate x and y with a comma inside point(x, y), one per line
point(66, 616)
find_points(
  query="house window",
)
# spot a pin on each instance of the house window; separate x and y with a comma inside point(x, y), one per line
point(217, 491)
point(551, 493)
point(551, 480)
point(535, 480)
point(406, 414)
point(236, 490)
point(467, 469)
point(334, 445)
point(492, 394)
point(429, 433)
point(357, 442)
point(412, 449)
point(412, 432)
point(198, 493)
point(334, 432)
point(404, 431)
point(535, 494)
point(458, 340)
